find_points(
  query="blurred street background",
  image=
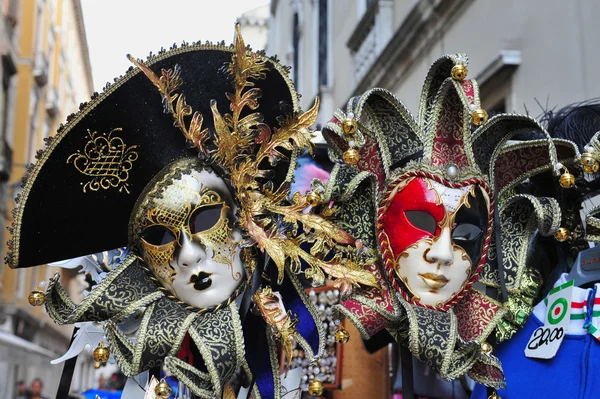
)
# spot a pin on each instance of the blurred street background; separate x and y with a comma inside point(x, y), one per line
point(529, 56)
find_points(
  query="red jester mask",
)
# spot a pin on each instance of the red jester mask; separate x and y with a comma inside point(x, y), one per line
point(434, 237)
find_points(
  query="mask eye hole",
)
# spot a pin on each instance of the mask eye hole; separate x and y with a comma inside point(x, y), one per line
point(158, 235)
point(466, 232)
point(421, 220)
point(204, 218)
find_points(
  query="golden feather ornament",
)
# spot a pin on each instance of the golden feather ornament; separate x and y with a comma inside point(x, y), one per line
point(243, 145)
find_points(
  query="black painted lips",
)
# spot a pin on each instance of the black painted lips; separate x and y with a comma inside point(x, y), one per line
point(201, 281)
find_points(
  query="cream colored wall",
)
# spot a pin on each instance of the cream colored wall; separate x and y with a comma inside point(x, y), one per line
point(559, 52)
point(343, 80)
point(557, 41)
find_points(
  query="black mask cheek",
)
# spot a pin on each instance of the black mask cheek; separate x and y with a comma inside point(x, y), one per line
point(473, 248)
point(471, 226)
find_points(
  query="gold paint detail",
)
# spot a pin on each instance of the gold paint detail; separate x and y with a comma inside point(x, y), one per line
point(173, 215)
point(434, 281)
point(282, 324)
point(106, 159)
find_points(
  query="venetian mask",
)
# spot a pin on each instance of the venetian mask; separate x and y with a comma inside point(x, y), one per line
point(434, 236)
point(188, 239)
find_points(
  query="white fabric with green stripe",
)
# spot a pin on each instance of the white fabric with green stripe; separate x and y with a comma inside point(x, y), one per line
point(583, 319)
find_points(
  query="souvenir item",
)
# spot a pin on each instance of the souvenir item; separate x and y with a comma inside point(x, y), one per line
point(207, 218)
point(572, 371)
point(433, 200)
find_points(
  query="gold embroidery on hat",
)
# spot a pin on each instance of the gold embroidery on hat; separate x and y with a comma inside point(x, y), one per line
point(106, 159)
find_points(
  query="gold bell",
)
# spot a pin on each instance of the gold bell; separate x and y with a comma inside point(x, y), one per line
point(566, 180)
point(342, 335)
point(459, 72)
point(351, 156)
point(163, 390)
point(349, 126)
point(486, 348)
point(36, 297)
point(494, 395)
point(562, 234)
point(590, 164)
point(97, 365)
point(315, 388)
point(479, 116)
point(101, 353)
point(313, 198)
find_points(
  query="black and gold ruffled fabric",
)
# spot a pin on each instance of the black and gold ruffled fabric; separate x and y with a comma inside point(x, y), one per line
point(451, 141)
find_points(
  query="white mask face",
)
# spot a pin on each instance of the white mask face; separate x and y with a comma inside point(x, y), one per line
point(189, 241)
point(435, 235)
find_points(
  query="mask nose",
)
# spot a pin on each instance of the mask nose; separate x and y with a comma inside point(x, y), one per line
point(191, 252)
point(441, 250)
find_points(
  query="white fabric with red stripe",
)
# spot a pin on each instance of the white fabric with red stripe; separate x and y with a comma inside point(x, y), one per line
point(585, 309)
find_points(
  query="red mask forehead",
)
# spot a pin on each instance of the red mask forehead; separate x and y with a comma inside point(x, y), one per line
point(416, 195)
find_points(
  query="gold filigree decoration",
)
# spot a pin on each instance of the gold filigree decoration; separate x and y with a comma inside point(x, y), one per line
point(243, 145)
point(107, 160)
point(282, 323)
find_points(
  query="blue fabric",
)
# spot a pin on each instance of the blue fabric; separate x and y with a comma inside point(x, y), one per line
point(292, 301)
point(257, 354)
point(572, 373)
point(91, 394)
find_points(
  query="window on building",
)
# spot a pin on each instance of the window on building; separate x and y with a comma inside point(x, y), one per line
point(35, 278)
point(51, 65)
point(20, 283)
point(11, 12)
point(323, 43)
point(47, 127)
point(498, 108)
point(296, 47)
point(361, 7)
point(39, 25)
point(33, 120)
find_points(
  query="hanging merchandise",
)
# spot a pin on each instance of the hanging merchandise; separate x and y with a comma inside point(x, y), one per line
point(434, 201)
point(208, 219)
point(571, 372)
point(562, 334)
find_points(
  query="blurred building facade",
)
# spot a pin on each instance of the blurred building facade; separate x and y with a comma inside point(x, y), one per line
point(519, 52)
point(254, 25)
point(46, 75)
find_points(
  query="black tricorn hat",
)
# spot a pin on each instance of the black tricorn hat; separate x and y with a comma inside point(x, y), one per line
point(78, 197)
